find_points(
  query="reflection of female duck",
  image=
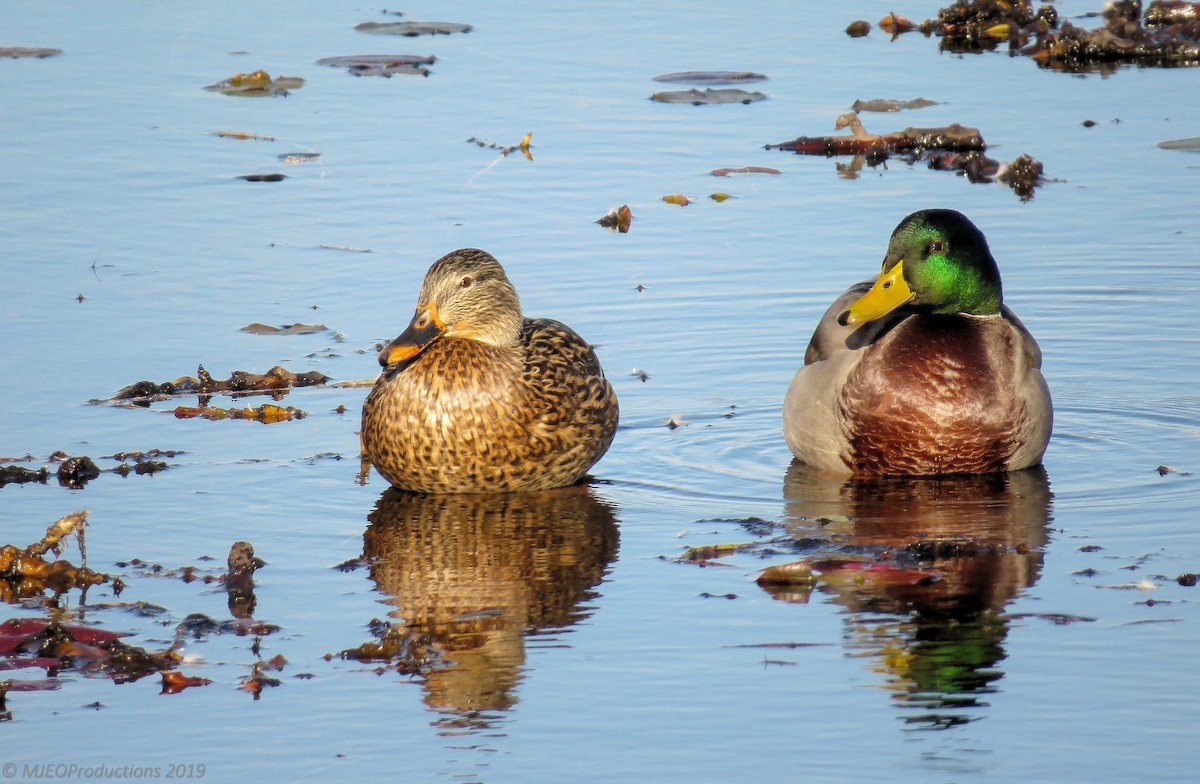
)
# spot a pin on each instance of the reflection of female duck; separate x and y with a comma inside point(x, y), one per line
point(476, 398)
point(925, 372)
point(983, 534)
point(472, 574)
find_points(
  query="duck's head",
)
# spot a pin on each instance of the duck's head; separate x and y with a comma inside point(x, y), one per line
point(465, 295)
point(937, 262)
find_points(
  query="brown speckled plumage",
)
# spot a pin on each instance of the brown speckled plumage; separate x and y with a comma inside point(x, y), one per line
point(495, 401)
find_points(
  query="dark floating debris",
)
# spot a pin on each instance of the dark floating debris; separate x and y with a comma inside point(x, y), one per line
point(17, 52)
point(948, 148)
point(413, 29)
point(711, 77)
point(617, 219)
point(887, 105)
point(385, 65)
point(269, 177)
point(1166, 35)
point(239, 381)
point(76, 471)
point(709, 96)
point(858, 28)
point(239, 580)
point(256, 84)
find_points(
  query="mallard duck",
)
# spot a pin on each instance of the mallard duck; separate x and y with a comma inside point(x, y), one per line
point(924, 371)
point(474, 397)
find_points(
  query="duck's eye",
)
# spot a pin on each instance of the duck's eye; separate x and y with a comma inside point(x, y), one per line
point(466, 281)
point(937, 246)
point(423, 322)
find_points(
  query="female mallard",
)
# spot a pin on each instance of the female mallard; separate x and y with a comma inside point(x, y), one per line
point(473, 397)
point(925, 372)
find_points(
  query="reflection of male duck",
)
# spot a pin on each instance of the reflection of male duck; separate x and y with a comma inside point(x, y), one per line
point(472, 574)
point(938, 642)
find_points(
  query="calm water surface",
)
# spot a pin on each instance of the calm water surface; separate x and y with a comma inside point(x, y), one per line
point(575, 647)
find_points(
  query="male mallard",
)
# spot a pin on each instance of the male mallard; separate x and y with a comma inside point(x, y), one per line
point(925, 372)
point(473, 397)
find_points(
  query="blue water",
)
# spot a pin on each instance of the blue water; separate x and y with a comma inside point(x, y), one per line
point(579, 650)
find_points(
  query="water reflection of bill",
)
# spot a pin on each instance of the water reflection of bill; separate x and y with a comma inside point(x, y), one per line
point(938, 642)
point(471, 576)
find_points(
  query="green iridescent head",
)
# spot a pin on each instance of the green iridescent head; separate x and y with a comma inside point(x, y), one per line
point(937, 262)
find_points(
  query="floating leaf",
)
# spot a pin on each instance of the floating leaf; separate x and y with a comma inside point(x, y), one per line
point(887, 105)
point(719, 197)
point(711, 77)
point(413, 28)
point(895, 24)
point(795, 573)
point(381, 64)
point(258, 83)
point(15, 52)
point(858, 28)
point(708, 96)
point(744, 170)
point(618, 218)
point(677, 198)
point(999, 32)
point(288, 329)
point(174, 681)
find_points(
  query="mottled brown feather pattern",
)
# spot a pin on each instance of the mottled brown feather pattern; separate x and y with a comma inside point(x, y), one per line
point(935, 395)
point(467, 416)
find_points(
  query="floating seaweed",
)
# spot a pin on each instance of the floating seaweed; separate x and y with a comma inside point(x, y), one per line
point(1166, 35)
point(243, 136)
point(744, 170)
point(385, 65)
point(287, 329)
point(889, 105)
point(25, 572)
point(266, 413)
point(256, 84)
point(948, 148)
point(299, 157)
point(617, 219)
point(265, 177)
point(239, 382)
point(76, 471)
point(711, 77)
point(17, 52)
point(709, 96)
point(413, 29)
point(522, 145)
